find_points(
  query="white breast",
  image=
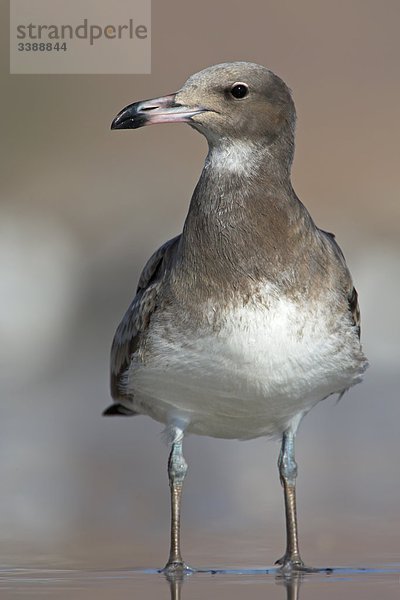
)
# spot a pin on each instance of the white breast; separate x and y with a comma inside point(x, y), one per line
point(249, 374)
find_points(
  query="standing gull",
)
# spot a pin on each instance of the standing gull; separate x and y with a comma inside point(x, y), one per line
point(245, 321)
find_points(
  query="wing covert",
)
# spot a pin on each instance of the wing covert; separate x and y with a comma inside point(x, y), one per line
point(137, 317)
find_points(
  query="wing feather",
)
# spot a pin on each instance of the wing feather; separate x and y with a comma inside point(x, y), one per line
point(137, 317)
point(352, 296)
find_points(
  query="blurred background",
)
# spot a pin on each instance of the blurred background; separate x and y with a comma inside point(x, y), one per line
point(82, 208)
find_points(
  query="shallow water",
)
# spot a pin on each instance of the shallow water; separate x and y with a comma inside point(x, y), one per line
point(360, 561)
point(365, 583)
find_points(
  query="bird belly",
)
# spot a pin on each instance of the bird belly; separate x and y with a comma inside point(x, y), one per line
point(247, 373)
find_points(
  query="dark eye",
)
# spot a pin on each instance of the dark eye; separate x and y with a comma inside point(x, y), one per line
point(239, 90)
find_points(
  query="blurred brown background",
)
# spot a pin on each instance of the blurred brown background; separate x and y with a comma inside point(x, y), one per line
point(81, 209)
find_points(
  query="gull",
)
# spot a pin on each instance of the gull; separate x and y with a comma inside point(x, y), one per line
point(248, 318)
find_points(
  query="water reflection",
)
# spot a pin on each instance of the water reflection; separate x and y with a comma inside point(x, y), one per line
point(290, 581)
point(235, 584)
point(175, 581)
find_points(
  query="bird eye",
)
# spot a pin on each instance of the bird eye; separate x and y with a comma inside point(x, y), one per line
point(239, 90)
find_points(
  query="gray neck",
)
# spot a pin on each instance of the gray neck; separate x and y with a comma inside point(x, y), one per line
point(241, 183)
point(244, 218)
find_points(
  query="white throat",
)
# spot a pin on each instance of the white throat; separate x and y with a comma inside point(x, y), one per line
point(241, 158)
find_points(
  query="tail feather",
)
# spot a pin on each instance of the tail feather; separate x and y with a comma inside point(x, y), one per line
point(118, 410)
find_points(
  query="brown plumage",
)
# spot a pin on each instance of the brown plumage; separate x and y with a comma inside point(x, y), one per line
point(245, 321)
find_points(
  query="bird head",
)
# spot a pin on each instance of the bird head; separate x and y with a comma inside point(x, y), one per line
point(230, 101)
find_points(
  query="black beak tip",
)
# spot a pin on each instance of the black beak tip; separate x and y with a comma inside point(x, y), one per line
point(114, 124)
point(120, 124)
point(129, 118)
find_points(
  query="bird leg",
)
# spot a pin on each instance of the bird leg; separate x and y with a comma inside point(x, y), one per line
point(288, 472)
point(177, 468)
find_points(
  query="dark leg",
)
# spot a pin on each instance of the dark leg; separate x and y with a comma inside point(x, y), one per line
point(288, 472)
point(177, 468)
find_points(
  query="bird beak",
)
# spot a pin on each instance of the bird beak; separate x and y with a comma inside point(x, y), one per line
point(158, 110)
